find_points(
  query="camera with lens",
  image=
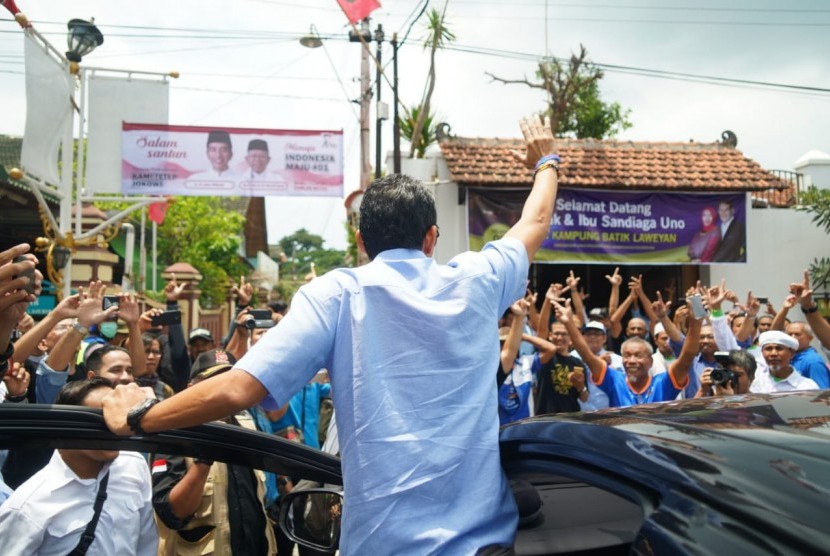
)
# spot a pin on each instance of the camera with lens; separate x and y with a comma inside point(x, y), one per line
point(251, 324)
point(720, 374)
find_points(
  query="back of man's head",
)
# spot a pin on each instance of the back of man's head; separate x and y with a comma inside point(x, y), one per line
point(396, 213)
point(74, 393)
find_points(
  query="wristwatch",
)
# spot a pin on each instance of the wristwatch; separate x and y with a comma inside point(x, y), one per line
point(137, 413)
point(80, 328)
point(810, 310)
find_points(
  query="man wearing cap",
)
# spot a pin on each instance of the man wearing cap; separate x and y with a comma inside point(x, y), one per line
point(219, 153)
point(199, 341)
point(191, 496)
point(257, 159)
point(778, 349)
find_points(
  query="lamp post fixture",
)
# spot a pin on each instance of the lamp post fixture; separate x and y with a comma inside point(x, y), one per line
point(83, 38)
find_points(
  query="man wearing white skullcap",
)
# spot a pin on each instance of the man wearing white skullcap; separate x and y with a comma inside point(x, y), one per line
point(778, 349)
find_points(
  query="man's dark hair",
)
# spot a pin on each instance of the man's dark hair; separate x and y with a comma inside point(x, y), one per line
point(96, 358)
point(74, 393)
point(396, 213)
point(278, 307)
point(744, 360)
point(727, 202)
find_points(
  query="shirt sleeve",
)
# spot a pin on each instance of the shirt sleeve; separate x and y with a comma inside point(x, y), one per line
point(19, 534)
point(167, 472)
point(309, 328)
point(723, 335)
point(48, 382)
point(508, 259)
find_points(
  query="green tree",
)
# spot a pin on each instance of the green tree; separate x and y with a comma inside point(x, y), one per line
point(574, 104)
point(197, 230)
point(438, 34)
point(817, 202)
point(303, 248)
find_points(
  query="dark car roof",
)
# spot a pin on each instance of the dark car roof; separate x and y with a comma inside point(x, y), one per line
point(56, 426)
point(764, 456)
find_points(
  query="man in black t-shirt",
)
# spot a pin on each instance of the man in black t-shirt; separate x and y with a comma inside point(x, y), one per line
point(555, 391)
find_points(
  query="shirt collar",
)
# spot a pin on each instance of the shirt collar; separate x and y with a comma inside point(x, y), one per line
point(400, 254)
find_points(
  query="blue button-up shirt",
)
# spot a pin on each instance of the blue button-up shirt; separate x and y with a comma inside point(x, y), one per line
point(411, 347)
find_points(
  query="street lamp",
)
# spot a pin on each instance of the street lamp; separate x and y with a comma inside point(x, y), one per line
point(312, 40)
point(83, 38)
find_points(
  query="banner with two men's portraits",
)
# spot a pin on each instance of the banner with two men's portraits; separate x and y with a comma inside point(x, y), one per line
point(208, 161)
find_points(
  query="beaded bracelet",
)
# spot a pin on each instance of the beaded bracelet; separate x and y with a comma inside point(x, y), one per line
point(547, 161)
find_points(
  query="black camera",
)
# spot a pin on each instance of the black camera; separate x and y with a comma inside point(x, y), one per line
point(720, 374)
point(250, 324)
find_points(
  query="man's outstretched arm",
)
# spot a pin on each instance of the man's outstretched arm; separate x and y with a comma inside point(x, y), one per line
point(534, 224)
point(210, 400)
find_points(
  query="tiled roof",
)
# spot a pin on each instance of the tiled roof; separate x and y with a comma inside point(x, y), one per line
point(606, 164)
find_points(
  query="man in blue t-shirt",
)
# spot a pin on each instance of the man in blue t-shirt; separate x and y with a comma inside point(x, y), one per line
point(633, 385)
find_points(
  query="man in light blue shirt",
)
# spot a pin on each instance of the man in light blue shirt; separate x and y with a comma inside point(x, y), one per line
point(411, 354)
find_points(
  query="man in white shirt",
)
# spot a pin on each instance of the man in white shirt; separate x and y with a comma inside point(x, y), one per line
point(778, 349)
point(49, 513)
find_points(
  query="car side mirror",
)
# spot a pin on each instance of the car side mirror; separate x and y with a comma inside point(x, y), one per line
point(312, 517)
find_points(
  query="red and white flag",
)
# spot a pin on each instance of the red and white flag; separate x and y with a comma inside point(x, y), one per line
point(157, 211)
point(356, 10)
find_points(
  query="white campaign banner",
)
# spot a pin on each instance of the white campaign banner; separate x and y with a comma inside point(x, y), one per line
point(208, 161)
point(48, 112)
point(112, 101)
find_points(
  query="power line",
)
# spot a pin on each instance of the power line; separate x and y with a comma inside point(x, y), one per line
point(641, 71)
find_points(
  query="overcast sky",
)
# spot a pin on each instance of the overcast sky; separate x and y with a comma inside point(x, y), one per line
point(241, 65)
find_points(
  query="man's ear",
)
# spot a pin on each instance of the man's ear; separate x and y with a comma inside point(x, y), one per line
point(359, 239)
point(430, 241)
point(90, 374)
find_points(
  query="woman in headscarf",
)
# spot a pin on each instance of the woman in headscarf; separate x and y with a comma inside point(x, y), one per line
point(705, 241)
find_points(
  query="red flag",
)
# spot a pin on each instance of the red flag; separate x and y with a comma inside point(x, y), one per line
point(356, 10)
point(157, 211)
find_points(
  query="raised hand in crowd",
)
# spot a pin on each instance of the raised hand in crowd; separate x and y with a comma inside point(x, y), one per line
point(244, 292)
point(510, 349)
point(145, 321)
point(555, 293)
point(173, 290)
point(572, 284)
point(804, 295)
point(238, 343)
point(130, 312)
point(20, 284)
point(17, 383)
point(715, 296)
point(752, 308)
point(533, 314)
point(27, 345)
point(615, 280)
point(90, 312)
point(661, 310)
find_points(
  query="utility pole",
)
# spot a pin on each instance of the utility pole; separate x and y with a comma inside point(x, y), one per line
point(379, 106)
point(365, 101)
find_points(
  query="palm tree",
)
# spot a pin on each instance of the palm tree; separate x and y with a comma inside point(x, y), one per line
point(437, 36)
point(428, 135)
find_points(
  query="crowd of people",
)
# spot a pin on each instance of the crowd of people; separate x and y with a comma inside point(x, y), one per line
point(638, 350)
point(174, 505)
point(404, 347)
